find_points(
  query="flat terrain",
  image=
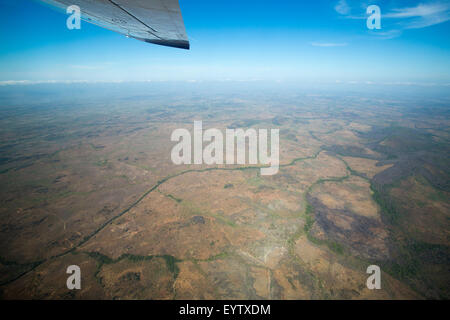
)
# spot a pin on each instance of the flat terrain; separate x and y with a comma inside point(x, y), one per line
point(86, 178)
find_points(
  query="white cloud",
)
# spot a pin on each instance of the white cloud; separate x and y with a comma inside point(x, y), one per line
point(420, 16)
point(421, 10)
point(33, 82)
point(416, 16)
point(389, 34)
point(328, 44)
point(342, 7)
point(86, 67)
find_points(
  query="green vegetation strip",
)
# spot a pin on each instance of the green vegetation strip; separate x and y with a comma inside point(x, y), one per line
point(171, 262)
point(156, 186)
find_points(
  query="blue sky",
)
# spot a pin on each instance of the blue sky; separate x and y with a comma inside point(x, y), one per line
point(237, 40)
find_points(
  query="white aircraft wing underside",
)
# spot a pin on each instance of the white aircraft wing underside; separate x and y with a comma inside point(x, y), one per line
point(154, 21)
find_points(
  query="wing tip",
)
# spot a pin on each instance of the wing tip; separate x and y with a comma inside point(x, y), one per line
point(181, 44)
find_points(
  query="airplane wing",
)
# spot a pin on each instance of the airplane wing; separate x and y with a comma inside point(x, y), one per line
point(153, 21)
